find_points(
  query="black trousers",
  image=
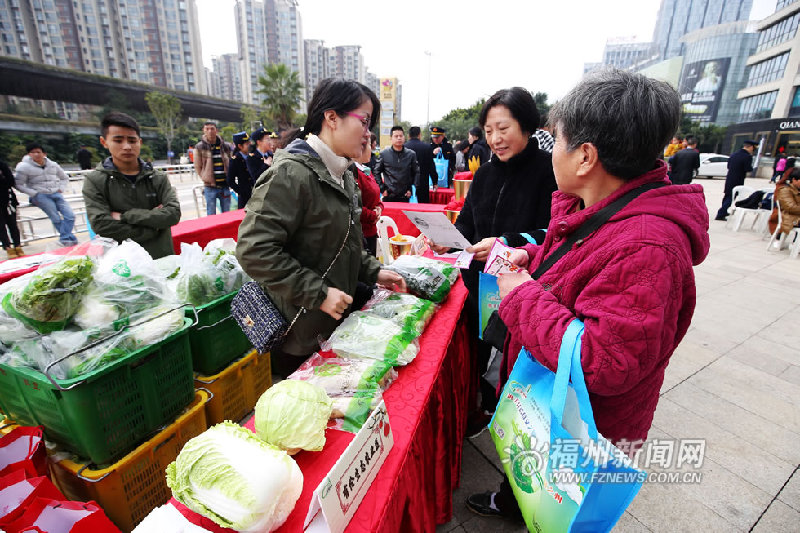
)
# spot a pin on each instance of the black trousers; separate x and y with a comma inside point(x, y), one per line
point(8, 227)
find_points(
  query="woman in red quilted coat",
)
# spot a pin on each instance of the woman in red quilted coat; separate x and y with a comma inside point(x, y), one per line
point(630, 282)
point(371, 205)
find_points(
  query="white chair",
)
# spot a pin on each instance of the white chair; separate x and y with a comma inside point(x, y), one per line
point(794, 238)
point(740, 192)
point(777, 235)
point(760, 216)
point(384, 248)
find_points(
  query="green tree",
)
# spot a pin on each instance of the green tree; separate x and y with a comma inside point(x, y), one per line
point(282, 90)
point(250, 118)
point(542, 106)
point(709, 138)
point(167, 111)
point(459, 121)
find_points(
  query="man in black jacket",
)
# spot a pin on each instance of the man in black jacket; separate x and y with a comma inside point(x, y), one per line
point(439, 143)
point(739, 164)
point(685, 163)
point(427, 171)
point(397, 169)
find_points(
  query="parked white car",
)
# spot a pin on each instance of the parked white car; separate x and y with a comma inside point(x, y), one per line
point(713, 165)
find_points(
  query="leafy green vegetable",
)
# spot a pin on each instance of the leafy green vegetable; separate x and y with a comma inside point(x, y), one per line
point(52, 296)
point(292, 415)
point(232, 477)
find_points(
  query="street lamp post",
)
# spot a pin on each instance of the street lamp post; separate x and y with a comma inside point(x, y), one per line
point(428, 113)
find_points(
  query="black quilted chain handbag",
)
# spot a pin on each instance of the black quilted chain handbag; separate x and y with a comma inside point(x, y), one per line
point(260, 319)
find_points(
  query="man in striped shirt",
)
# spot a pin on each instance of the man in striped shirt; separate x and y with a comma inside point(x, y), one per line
point(211, 158)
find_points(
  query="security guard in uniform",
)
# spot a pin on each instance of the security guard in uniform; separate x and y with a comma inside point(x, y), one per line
point(239, 178)
point(261, 159)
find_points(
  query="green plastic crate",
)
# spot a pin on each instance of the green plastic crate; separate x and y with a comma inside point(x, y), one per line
point(108, 412)
point(216, 339)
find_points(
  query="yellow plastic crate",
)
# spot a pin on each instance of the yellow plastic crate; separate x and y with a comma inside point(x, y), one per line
point(129, 489)
point(6, 425)
point(237, 388)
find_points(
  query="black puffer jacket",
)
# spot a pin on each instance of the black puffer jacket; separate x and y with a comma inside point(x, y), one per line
point(510, 200)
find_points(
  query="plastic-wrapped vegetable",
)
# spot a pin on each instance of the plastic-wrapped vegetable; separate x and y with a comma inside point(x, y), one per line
point(405, 309)
point(206, 276)
point(364, 335)
point(344, 377)
point(128, 278)
point(51, 296)
point(426, 278)
point(354, 385)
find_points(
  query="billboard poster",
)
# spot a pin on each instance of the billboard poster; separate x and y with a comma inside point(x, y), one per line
point(702, 83)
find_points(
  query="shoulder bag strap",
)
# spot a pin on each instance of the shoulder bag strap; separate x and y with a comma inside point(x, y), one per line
point(591, 225)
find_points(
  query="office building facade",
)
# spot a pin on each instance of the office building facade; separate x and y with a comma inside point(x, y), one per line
point(268, 31)
point(769, 103)
point(227, 77)
point(677, 18)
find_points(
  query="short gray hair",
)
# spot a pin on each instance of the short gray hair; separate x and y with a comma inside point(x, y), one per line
point(628, 117)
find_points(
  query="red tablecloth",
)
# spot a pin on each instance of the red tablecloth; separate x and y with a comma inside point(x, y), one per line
point(427, 406)
point(442, 196)
point(394, 210)
point(205, 229)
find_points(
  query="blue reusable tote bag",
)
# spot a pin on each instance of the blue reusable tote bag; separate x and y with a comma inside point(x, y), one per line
point(441, 168)
point(558, 465)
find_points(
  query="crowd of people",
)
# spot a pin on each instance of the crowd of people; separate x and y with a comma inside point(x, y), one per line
point(313, 197)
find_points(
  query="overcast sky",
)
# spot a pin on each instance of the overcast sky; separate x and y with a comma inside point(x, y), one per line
point(476, 48)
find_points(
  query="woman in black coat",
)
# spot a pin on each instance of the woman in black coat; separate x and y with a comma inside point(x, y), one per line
point(509, 199)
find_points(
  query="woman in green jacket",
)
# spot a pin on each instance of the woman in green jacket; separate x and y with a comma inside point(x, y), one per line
point(304, 217)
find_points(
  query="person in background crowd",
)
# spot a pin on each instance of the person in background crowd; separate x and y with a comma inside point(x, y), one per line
point(238, 176)
point(684, 164)
point(84, 158)
point(44, 181)
point(462, 148)
point(374, 153)
point(739, 164)
point(779, 168)
point(631, 283)
point(479, 152)
point(125, 198)
point(509, 199)
point(303, 220)
point(371, 205)
point(261, 159)
point(440, 144)
point(673, 147)
point(9, 232)
point(427, 170)
point(274, 142)
point(397, 170)
point(211, 160)
point(787, 196)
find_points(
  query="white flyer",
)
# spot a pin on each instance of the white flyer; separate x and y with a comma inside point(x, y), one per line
point(437, 228)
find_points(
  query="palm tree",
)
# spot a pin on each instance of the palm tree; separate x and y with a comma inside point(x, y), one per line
point(282, 91)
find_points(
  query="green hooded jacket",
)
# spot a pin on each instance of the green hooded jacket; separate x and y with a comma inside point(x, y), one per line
point(295, 222)
point(106, 189)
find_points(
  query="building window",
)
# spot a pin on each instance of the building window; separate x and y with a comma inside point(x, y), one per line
point(794, 110)
point(757, 107)
point(767, 71)
point(778, 33)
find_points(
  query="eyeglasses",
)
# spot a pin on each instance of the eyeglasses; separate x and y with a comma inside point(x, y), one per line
point(363, 118)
